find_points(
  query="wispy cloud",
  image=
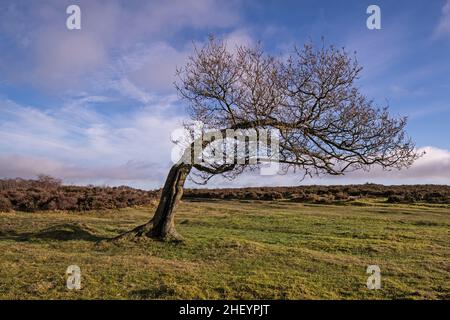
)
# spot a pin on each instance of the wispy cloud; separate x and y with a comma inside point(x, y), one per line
point(81, 145)
point(79, 140)
point(50, 56)
point(443, 27)
point(433, 167)
point(13, 166)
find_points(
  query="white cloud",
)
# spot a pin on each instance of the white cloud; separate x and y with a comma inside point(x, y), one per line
point(152, 67)
point(128, 89)
point(239, 37)
point(75, 141)
point(80, 145)
point(41, 51)
point(122, 51)
point(141, 174)
point(443, 28)
point(62, 58)
point(433, 168)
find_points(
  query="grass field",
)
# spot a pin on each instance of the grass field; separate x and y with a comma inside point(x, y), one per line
point(233, 250)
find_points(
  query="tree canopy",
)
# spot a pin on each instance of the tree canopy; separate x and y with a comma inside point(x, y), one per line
point(326, 124)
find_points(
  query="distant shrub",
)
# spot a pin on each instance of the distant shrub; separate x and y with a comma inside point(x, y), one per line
point(5, 204)
point(353, 192)
point(325, 199)
point(340, 196)
point(271, 196)
point(47, 193)
point(328, 194)
point(411, 197)
point(394, 199)
point(435, 197)
point(66, 202)
point(250, 195)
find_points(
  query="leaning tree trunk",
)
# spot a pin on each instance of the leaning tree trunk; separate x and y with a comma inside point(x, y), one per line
point(161, 226)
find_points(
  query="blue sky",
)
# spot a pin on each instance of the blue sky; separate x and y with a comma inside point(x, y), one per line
point(97, 105)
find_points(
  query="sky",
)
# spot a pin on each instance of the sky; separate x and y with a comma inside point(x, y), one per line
point(98, 105)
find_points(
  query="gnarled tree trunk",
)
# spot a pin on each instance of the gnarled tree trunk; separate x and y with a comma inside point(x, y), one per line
point(161, 226)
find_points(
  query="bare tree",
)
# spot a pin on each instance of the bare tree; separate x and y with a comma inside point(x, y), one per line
point(325, 124)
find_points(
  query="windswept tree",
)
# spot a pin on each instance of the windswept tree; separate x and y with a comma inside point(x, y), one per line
point(324, 124)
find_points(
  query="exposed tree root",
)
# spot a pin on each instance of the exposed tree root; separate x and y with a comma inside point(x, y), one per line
point(147, 231)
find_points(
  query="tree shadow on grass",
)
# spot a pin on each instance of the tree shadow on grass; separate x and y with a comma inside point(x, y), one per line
point(60, 232)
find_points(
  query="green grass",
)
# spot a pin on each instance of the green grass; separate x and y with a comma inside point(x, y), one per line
point(233, 250)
